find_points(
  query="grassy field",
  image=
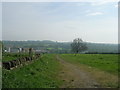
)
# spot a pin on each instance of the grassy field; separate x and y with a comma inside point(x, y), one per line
point(41, 73)
point(105, 62)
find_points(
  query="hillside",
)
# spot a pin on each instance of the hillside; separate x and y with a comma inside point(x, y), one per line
point(61, 47)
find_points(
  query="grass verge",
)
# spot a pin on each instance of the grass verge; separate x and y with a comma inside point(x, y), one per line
point(41, 73)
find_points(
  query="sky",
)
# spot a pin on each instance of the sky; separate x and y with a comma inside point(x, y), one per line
point(60, 21)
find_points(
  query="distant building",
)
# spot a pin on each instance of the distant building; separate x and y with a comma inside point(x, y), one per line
point(41, 51)
point(14, 50)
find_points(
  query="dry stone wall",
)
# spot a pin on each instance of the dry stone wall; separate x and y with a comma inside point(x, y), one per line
point(14, 63)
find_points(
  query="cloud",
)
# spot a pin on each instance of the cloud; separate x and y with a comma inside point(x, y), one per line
point(116, 6)
point(95, 13)
point(103, 2)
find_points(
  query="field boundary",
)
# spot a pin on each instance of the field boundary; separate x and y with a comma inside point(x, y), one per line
point(20, 61)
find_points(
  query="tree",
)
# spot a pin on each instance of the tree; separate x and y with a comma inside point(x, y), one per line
point(78, 45)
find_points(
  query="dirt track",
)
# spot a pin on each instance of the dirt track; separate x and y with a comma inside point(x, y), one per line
point(74, 77)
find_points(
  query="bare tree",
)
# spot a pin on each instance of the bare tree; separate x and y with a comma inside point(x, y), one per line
point(78, 45)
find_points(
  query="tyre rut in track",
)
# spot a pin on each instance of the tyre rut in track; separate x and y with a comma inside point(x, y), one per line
point(74, 77)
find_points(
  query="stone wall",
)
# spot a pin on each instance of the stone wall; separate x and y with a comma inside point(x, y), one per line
point(14, 63)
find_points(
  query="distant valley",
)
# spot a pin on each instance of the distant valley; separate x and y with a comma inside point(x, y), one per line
point(61, 47)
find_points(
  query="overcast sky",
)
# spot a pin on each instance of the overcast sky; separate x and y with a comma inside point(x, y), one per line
point(60, 21)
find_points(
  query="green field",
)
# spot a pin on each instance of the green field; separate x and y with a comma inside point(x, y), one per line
point(105, 62)
point(44, 73)
point(41, 73)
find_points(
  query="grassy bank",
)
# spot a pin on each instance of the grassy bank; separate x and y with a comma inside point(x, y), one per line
point(39, 74)
point(13, 56)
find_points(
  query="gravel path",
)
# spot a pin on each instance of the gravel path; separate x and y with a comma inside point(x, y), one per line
point(74, 77)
